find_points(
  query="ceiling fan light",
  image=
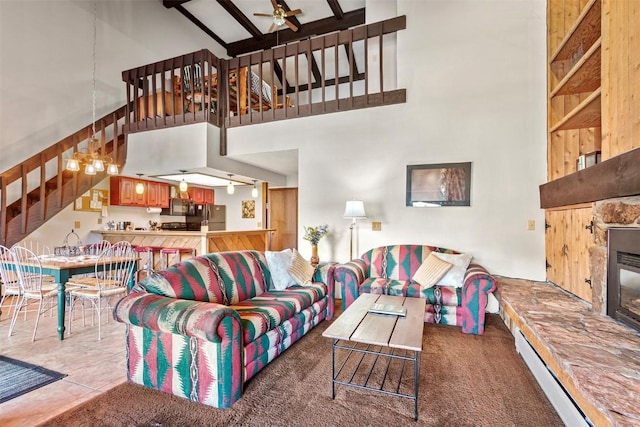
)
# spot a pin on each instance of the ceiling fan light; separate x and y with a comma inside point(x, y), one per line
point(73, 165)
point(278, 20)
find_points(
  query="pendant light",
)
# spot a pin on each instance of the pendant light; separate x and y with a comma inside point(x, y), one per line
point(94, 162)
point(230, 188)
point(139, 185)
point(183, 184)
point(254, 192)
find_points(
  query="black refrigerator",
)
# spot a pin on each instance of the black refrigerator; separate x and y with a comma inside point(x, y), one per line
point(214, 215)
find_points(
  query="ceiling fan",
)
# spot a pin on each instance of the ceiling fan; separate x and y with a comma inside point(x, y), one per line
point(280, 16)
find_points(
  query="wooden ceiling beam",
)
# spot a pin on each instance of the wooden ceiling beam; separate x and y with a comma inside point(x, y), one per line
point(336, 9)
point(173, 3)
point(310, 29)
point(242, 19)
point(200, 25)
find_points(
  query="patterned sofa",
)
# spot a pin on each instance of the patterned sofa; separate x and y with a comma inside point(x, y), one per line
point(389, 269)
point(202, 328)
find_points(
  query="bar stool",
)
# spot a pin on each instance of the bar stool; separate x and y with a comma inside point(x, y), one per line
point(146, 262)
point(177, 252)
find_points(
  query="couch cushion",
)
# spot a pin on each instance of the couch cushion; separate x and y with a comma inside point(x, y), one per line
point(399, 262)
point(260, 315)
point(430, 271)
point(278, 263)
point(222, 277)
point(455, 276)
point(300, 269)
point(268, 310)
point(444, 295)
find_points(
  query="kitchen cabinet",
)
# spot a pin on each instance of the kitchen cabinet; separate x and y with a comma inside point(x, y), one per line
point(123, 192)
point(157, 194)
point(201, 196)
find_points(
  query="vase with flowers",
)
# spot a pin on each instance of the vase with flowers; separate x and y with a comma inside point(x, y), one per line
point(313, 235)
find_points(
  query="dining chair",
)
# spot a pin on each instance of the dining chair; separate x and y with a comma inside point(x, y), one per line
point(32, 285)
point(40, 249)
point(8, 279)
point(113, 272)
point(97, 248)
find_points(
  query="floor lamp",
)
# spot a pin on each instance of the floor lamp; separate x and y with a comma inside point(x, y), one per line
point(353, 210)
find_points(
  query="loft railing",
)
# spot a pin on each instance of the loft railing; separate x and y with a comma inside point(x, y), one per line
point(40, 187)
point(341, 71)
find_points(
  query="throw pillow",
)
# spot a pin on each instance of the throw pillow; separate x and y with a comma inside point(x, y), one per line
point(455, 275)
point(300, 269)
point(430, 271)
point(278, 263)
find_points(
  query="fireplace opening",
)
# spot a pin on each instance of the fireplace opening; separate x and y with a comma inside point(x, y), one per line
point(623, 277)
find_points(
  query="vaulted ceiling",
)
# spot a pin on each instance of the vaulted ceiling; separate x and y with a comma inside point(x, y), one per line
point(233, 25)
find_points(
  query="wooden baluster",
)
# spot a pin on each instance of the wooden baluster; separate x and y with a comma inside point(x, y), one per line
point(3, 210)
point(23, 201)
point(381, 62)
point(311, 62)
point(43, 186)
point(324, 78)
point(366, 63)
point(59, 183)
point(296, 82)
point(285, 84)
point(351, 66)
point(336, 71)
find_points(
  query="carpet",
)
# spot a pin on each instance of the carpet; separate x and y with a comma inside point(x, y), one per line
point(18, 378)
point(465, 380)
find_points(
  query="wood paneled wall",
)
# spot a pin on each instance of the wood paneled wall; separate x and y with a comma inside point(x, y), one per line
point(620, 77)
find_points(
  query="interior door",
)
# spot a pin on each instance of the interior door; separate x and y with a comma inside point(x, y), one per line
point(282, 214)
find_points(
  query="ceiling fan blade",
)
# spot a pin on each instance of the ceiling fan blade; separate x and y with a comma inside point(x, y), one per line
point(272, 27)
point(293, 12)
point(290, 25)
point(274, 3)
point(269, 15)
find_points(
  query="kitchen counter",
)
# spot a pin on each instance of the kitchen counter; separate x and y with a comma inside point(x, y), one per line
point(202, 241)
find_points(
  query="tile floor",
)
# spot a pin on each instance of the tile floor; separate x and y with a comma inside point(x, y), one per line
point(92, 366)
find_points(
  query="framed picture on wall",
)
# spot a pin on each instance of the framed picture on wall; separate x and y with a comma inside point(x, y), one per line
point(441, 184)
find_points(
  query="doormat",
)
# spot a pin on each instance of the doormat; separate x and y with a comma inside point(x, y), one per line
point(18, 378)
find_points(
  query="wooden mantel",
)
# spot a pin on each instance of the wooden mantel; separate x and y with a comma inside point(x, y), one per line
point(618, 176)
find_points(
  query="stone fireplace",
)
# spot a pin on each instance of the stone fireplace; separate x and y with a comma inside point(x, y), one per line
point(623, 276)
point(623, 212)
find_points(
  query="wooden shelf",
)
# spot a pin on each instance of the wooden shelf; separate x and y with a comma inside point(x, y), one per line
point(584, 76)
point(583, 34)
point(585, 115)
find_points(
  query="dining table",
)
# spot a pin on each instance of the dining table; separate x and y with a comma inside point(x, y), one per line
point(61, 268)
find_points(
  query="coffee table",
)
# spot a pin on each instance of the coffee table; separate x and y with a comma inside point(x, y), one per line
point(380, 336)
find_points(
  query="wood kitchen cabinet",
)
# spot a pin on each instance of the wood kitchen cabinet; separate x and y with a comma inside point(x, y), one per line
point(201, 196)
point(122, 191)
point(157, 194)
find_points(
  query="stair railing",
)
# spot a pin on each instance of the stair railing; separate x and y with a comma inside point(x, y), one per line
point(39, 187)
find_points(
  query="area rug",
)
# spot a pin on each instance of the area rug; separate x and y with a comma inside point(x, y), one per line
point(465, 380)
point(18, 378)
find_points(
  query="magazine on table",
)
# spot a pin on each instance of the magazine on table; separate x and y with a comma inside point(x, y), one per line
point(396, 310)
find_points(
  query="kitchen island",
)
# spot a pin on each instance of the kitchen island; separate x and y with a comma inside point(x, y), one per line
point(202, 241)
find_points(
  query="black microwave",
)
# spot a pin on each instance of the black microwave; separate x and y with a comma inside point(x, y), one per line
point(180, 207)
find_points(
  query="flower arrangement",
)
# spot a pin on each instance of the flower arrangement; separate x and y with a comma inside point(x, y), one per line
point(314, 234)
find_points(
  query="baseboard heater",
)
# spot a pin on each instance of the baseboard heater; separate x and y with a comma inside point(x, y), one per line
point(564, 405)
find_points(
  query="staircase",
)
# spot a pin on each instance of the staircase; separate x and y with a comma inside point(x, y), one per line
point(38, 188)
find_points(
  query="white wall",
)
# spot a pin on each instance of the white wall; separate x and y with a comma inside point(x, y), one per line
point(475, 78)
point(233, 202)
point(474, 71)
point(46, 63)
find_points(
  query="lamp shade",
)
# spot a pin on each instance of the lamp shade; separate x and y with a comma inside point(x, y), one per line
point(354, 210)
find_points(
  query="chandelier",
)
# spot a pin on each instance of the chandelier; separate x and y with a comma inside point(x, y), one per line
point(93, 161)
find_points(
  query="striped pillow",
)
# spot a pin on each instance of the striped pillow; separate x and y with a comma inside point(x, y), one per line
point(300, 269)
point(431, 270)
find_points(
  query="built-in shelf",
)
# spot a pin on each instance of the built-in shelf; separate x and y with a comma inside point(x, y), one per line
point(586, 115)
point(582, 35)
point(584, 76)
